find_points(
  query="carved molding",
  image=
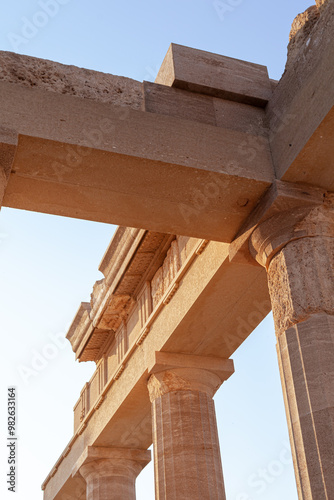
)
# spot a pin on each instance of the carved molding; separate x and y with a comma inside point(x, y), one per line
point(170, 293)
point(142, 336)
point(119, 372)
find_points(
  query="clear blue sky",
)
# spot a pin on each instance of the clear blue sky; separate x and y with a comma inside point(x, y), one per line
point(49, 264)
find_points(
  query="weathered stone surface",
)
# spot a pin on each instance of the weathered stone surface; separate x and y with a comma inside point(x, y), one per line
point(320, 3)
point(60, 78)
point(297, 248)
point(301, 281)
point(300, 31)
point(305, 22)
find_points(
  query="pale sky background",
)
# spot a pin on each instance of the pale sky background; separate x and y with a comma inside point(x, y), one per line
point(48, 264)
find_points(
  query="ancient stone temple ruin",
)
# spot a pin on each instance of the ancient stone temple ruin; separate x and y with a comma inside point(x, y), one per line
point(222, 182)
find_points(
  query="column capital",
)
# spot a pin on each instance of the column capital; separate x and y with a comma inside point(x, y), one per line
point(275, 233)
point(183, 372)
point(100, 461)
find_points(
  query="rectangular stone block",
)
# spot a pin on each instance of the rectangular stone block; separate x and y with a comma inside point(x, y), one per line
point(216, 75)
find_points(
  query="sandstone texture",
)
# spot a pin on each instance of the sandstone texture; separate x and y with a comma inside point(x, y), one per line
point(320, 3)
point(60, 78)
point(305, 21)
point(301, 28)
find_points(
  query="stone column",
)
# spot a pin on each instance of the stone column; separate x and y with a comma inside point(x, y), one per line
point(110, 473)
point(297, 249)
point(187, 460)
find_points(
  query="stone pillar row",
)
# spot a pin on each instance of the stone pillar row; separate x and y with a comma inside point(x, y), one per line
point(297, 249)
point(187, 460)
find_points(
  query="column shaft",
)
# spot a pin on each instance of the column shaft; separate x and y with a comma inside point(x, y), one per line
point(297, 248)
point(187, 460)
point(306, 355)
point(186, 448)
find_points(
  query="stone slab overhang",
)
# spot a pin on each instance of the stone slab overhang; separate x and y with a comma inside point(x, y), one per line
point(104, 145)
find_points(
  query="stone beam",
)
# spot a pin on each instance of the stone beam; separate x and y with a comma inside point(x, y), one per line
point(301, 112)
point(112, 162)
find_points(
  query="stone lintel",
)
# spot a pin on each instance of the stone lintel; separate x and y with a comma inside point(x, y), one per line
point(93, 453)
point(216, 75)
point(281, 197)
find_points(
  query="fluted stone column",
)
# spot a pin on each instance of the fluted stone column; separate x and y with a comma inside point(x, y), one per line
point(187, 460)
point(297, 248)
point(111, 473)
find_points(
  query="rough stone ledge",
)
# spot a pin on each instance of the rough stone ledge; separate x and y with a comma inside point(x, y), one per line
point(55, 77)
point(302, 27)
